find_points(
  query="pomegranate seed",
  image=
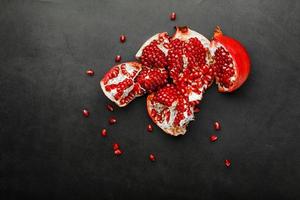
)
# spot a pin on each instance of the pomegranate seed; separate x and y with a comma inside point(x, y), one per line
point(112, 120)
point(116, 146)
point(118, 152)
point(217, 126)
point(104, 132)
point(149, 128)
point(90, 72)
point(122, 38)
point(227, 163)
point(118, 58)
point(173, 16)
point(110, 107)
point(213, 138)
point(196, 109)
point(152, 157)
point(85, 113)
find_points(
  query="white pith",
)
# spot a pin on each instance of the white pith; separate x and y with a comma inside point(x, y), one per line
point(121, 77)
point(213, 47)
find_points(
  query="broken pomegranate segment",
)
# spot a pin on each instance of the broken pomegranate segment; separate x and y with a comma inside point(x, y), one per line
point(170, 110)
point(231, 62)
point(153, 52)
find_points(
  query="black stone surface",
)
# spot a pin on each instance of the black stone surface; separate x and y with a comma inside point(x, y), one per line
point(49, 151)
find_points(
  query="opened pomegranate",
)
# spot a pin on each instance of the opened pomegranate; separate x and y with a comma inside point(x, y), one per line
point(126, 81)
point(170, 110)
point(231, 62)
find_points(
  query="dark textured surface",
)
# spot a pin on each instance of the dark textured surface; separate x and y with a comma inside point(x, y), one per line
point(48, 150)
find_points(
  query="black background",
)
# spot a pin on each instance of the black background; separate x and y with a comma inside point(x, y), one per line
point(48, 150)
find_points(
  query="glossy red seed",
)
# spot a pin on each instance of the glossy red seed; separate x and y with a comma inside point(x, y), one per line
point(110, 107)
point(122, 38)
point(173, 16)
point(112, 120)
point(104, 132)
point(149, 128)
point(227, 163)
point(118, 58)
point(217, 126)
point(90, 72)
point(152, 157)
point(118, 152)
point(116, 146)
point(85, 113)
point(213, 138)
point(196, 109)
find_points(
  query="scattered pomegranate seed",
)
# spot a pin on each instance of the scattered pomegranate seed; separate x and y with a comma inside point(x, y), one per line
point(118, 58)
point(149, 128)
point(116, 146)
point(217, 126)
point(173, 16)
point(152, 157)
point(118, 152)
point(227, 163)
point(213, 138)
point(196, 109)
point(85, 113)
point(122, 38)
point(90, 72)
point(110, 107)
point(112, 120)
point(104, 132)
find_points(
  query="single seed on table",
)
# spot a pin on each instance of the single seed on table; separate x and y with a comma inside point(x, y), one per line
point(213, 138)
point(90, 72)
point(149, 128)
point(85, 113)
point(104, 132)
point(112, 120)
point(110, 107)
point(173, 16)
point(118, 58)
point(116, 146)
point(152, 157)
point(122, 38)
point(227, 163)
point(217, 126)
point(118, 152)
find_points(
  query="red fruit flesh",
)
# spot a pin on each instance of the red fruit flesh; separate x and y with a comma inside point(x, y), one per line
point(231, 62)
point(153, 51)
point(170, 110)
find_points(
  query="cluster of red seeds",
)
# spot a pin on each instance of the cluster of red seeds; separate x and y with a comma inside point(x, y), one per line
point(194, 48)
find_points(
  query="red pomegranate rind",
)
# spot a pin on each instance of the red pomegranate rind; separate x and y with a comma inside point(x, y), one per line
point(151, 79)
point(153, 52)
point(118, 83)
point(240, 61)
point(170, 110)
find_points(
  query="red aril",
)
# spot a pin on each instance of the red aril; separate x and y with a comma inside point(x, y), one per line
point(227, 163)
point(231, 62)
point(116, 146)
point(173, 16)
point(118, 58)
point(85, 113)
point(90, 72)
point(196, 109)
point(152, 157)
point(110, 107)
point(112, 120)
point(104, 132)
point(217, 126)
point(118, 152)
point(213, 138)
point(122, 38)
point(149, 128)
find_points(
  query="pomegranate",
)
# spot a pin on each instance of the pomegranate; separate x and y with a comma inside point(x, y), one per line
point(170, 110)
point(153, 52)
point(126, 81)
point(231, 62)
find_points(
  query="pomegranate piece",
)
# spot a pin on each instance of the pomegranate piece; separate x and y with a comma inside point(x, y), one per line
point(170, 110)
point(153, 52)
point(118, 84)
point(173, 16)
point(227, 163)
point(122, 38)
point(85, 113)
point(231, 62)
point(217, 126)
point(110, 107)
point(213, 138)
point(118, 58)
point(152, 157)
point(112, 120)
point(90, 72)
point(118, 152)
point(149, 128)
point(104, 132)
